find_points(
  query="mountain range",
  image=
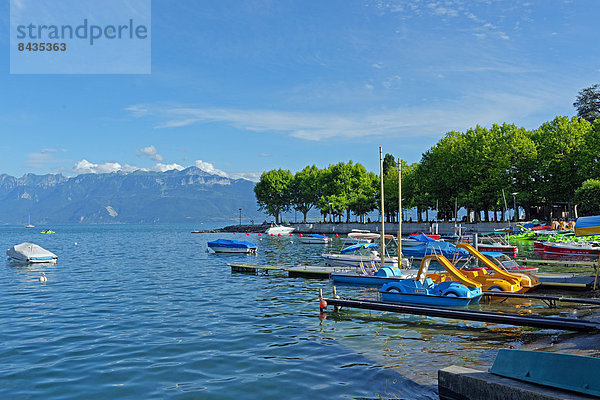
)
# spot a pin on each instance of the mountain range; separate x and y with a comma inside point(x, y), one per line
point(189, 195)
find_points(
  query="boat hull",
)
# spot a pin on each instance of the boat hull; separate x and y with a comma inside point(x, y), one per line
point(217, 249)
point(31, 254)
point(354, 261)
point(428, 300)
point(559, 248)
point(314, 240)
point(508, 250)
point(279, 230)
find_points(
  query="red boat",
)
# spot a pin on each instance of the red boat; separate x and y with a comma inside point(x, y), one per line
point(499, 248)
point(566, 248)
point(436, 237)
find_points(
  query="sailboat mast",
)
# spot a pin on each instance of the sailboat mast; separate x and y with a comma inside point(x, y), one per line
point(382, 240)
point(399, 211)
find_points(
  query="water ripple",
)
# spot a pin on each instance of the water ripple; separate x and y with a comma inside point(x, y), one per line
point(135, 312)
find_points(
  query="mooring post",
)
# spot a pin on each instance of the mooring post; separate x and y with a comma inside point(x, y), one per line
point(335, 296)
point(597, 267)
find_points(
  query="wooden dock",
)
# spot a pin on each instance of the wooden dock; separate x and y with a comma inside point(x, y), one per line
point(558, 263)
point(299, 271)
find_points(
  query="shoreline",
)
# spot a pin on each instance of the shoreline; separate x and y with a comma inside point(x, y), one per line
point(408, 228)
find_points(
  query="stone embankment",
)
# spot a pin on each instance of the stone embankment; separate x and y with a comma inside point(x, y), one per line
point(442, 228)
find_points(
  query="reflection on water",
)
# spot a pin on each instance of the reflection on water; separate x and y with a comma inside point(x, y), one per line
point(147, 312)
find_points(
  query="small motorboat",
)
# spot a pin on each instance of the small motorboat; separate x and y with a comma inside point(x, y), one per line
point(31, 253)
point(361, 236)
point(279, 230)
point(359, 254)
point(498, 248)
point(47, 232)
point(314, 238)
point(422, 290)
point(232, 246)
point(567, 248)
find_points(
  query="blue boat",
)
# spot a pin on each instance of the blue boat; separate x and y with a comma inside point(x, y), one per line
point(314, 238)
point(446, 249)
point(422, 290)
point(232, 246)
point(383, 275)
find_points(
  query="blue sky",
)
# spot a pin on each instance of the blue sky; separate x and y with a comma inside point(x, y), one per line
point(241, 87)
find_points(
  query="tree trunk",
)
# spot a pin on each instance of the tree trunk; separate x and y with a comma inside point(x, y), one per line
point(306, 212)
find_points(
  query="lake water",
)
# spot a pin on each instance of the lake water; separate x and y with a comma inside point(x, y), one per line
point(135, 312)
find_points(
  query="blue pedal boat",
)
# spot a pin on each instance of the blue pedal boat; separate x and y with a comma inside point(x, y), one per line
point(421, 290)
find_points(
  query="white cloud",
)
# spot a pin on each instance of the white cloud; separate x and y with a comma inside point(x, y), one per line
point(429, 119)
point(167, 167)
point(151, 152)
point(208, 167)
point(86, 167)
point(43, 159)
point(250, 176)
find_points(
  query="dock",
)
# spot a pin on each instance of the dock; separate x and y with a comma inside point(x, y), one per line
point(561, 263)
point(299, 271)
point(557, 323)
point(551, 301)
point(456, 382)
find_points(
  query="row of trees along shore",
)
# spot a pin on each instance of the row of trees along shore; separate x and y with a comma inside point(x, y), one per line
point(556, 164)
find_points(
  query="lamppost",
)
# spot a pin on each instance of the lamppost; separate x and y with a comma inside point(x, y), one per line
point(240, 217)
point(515, 206)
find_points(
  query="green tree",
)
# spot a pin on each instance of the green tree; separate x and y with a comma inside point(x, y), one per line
point(587, 197)
point(273, 192)
point(389, 162)
point(559, 171)
point(305, 189)
point(588, 103)
point(363, 198)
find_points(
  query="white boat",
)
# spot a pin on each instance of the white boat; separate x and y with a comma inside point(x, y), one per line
point(29, 223)
point(409, 242)
point(232, 246)
point(277, 230)
point(359, 255)
point(357, 236)
point(314, 238)
point(31, 253)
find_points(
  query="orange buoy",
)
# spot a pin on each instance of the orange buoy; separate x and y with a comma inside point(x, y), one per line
point(279, 234)
point(258, 233)
point(300, 235)
point(291, 235)
point(322, 304)
point(336, 235)
point(234, 233)
point(247, 234)
point(271, 234)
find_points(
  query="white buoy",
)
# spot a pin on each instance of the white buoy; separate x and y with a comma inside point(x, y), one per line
point(43, 278)
point(75, 243)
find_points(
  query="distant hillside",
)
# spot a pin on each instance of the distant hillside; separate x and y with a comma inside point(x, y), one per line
point(190, 195)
